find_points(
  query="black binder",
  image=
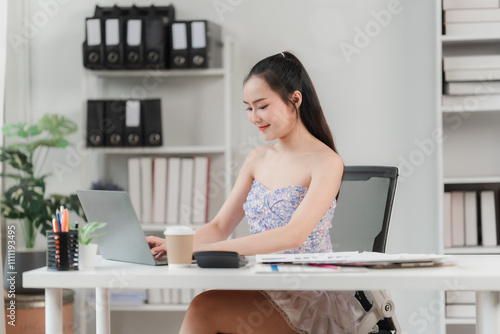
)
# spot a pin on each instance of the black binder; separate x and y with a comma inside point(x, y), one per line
point(156, 21)
point(151, 120)
point(179, 45)
point(95, 117)
point(93, 46)
point(113, 42)
point(154, 41)
point(114, 123)
point(205, 45)
point(133, 129)
point(134, 39)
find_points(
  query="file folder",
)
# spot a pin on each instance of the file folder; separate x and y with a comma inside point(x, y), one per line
point(95, 116)
point(93, 48)
point(115, 122)
point(154, 42)
point(113, 49)
point(206, 45)
point(152, 126)
point(157, 21)
point(179, 45)
point(133, 129)
point(134, 45)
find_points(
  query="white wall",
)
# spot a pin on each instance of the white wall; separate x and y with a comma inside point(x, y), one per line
point(380, 102)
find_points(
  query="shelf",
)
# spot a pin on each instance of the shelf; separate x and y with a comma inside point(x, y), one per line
point(478, 250)
point(460, 321)
point(152, 307)
point(451, 109)
point(159, 150)
point(158, 73)
point(471, 179)
point(468, 39)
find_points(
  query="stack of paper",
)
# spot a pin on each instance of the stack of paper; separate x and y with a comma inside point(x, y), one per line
point(365, 259)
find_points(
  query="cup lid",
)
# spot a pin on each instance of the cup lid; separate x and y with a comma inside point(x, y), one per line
point(178, 230)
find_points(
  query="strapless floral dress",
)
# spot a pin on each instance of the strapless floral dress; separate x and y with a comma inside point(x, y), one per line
point(311, 312)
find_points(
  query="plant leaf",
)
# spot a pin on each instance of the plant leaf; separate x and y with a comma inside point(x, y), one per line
point(58, 126)
point(16, 159)
point(87, 233)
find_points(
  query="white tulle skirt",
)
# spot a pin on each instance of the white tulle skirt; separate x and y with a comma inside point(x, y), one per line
point(318, 312)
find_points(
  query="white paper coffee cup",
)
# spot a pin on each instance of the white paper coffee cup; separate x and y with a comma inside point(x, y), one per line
point(179, 241)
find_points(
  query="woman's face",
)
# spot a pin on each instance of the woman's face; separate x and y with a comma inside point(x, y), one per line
point(265, 108)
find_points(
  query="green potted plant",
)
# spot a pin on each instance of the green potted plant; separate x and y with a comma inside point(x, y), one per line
point(25, 199)
point(87, 250)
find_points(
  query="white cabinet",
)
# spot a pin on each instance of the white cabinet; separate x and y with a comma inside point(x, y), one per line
point(470, 112)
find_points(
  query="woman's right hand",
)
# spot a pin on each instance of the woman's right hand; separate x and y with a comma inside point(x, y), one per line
point(158, 246)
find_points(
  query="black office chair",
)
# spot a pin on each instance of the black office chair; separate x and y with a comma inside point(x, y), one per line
point(361, 223)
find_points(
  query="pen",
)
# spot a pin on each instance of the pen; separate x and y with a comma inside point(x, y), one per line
point(61, 217)
point(66, 220)
point(58, 218)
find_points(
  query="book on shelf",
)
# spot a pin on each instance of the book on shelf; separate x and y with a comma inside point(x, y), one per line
point(483, 29)
point(185, 296)
point(471, 102)
point(147, 188)
point(166, 298)
point(175, 296)
point(472, 75)
point(471, 62)
point(470, 218)
point(472, 15)
point(457, 219)
point(186, 191)
point(155, 296)
point(173, 186)
point(134, 184)
point(472, 88)
point(488, 218)
point(456, 4)
point(159, 189)
point(200, 190)
point(447, 219)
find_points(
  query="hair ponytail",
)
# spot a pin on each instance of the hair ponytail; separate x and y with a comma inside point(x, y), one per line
point(285, 74)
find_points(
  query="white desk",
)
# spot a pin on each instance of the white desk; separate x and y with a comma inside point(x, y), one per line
point(478, 273)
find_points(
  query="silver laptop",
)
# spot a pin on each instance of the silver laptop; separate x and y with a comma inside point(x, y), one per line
point(124, 239)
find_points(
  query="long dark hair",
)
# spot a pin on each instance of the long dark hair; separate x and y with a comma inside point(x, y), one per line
point(285, 74)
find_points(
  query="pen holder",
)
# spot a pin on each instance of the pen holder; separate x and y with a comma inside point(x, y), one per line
point(62, 250)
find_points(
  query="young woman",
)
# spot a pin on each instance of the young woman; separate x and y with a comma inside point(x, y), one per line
point(287, 191)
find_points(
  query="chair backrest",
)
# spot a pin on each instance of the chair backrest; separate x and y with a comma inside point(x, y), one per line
point(361, 219)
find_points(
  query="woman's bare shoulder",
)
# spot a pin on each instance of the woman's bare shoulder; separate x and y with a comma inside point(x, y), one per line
point(326, 158)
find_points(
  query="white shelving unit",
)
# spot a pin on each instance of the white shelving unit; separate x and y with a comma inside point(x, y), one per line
point(184, 99)
point(468, 155)
point(196, 120)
